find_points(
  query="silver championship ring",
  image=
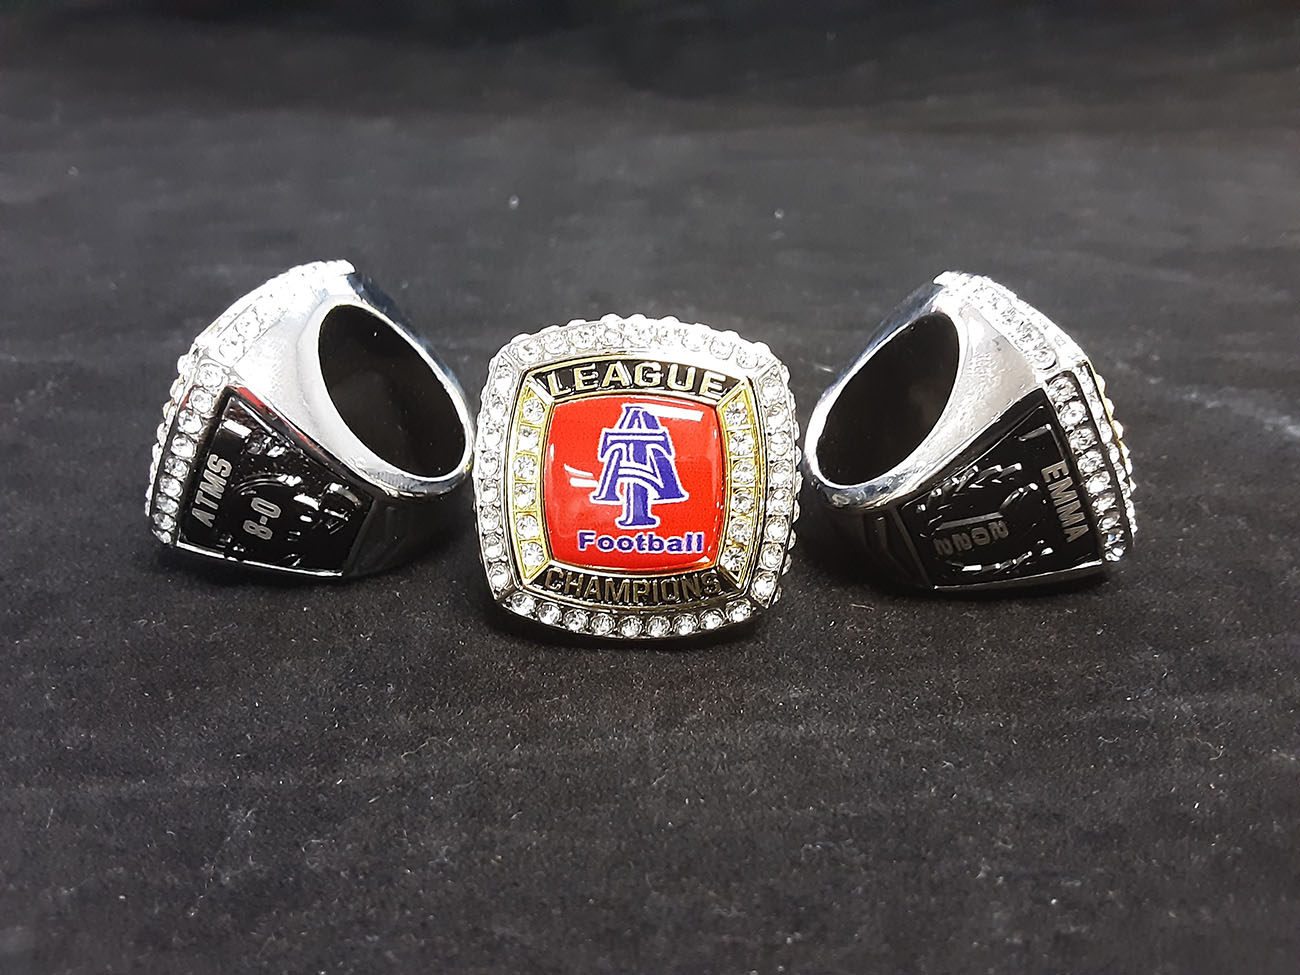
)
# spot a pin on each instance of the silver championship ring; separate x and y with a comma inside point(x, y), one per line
point(309, 432)
point(972, 446)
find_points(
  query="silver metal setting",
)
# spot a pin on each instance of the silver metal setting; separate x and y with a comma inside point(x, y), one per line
point(755, 505)
point(1023, 478)
point(252, 436)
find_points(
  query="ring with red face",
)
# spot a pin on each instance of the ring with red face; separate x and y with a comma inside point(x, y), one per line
point(635, 478)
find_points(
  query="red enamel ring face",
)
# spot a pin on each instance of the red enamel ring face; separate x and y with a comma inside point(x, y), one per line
point(636, 479)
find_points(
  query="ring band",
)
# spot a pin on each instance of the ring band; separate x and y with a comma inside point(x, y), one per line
point(636, 478)
point(309, 432)
point(972, 446)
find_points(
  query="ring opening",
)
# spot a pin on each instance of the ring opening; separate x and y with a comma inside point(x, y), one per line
point(891, 404)
point(388, 395)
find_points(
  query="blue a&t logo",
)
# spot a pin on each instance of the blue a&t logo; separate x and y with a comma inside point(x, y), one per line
point(638, 454)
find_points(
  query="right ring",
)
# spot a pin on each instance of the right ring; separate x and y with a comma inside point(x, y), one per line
point(972, 446)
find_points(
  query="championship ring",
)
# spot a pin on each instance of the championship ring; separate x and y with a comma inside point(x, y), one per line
point(308, 432)
point(636, 479)
point(972, 446)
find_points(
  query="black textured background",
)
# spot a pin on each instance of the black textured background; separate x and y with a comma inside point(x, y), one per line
point(212, 776)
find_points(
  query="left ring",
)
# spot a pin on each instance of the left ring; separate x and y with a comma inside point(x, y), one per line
point(309, 432)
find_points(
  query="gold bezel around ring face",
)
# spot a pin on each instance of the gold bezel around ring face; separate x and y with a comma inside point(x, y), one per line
point(636, 478)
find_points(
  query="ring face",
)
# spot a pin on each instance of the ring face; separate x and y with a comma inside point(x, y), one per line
point(253, 464)
point(1024, 478)
point(636, 479)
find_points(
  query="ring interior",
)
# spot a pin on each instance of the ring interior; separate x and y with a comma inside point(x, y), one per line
point(891, 403)
point(388, 394)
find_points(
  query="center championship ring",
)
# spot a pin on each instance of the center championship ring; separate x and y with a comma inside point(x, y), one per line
point(636, 478)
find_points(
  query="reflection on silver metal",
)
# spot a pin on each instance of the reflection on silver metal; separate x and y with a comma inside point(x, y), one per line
point(972, 446)
point(309, 431)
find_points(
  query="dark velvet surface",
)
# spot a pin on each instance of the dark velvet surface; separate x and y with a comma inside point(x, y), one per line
point(205, 774)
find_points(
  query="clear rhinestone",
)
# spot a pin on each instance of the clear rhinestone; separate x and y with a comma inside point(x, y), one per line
point(684, 625)
point(1115, 552)
point(602, 624)
point(771, 391)
point(1107, 434)
point(157, 453)
point(740, 528)
point(525, 495)
point(211, 375)
point(778, 417)
point(534, 411)
point(548, 613)
point(1061, 389)
point(168, 505)
point(639, 332)
point(581, 337)
point(529, 438)
point(178, 389)
point(161, 433)
point(528, 351)
point(522, 603)
point(575, 620)
point(529, 526)
point(656, 627)
point(1090, 462)
point(231, 347)
point(764, 585)
point(532, 554)
point(189, 422)
point(742, 443)
point(1114, 536)
point(489, 461)
point(1109, 520)
point(248, 325)
point(1082, 439)
point(738, 612)
point(526, 465)
point(746, 357)
point(1104, 501)
point(736, 414)
point(1115, 456)
point(498, 576)
point(1041, 357)
point(777, 529)
point(780, 444)
point(169, 486)
point(780, 468)
point(630, 627)
point(185, 366)
point(493, 546)
point(1098, 483)
point(720, 347)
point(183, 447)
point(162, 536)
point(772, 556)
point(742, 502)
point(711, 620)
point(488, 493)
point(733, 560)
point(779, 496)
point(693, 337)
point(489, 518)
point(490, 438)
point(176, 467)
point(611, 335)
point(202, 401)
point(1073, 413)
point(164, 521)
point(743, 472)
point(555, 342)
